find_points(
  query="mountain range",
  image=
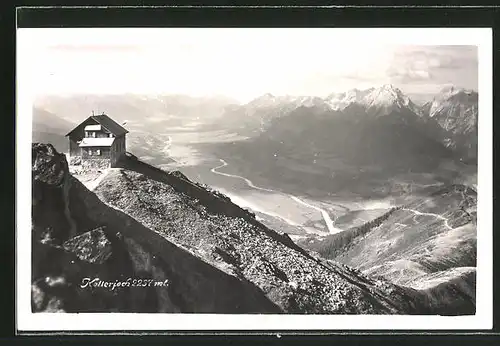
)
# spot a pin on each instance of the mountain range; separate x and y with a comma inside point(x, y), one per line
point(379, 101)
point(454, 109)
point(146, 116)
point(356, 141)
point(452, 114)
point(432, 236)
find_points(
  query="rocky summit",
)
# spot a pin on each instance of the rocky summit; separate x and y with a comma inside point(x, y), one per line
point(144, 223)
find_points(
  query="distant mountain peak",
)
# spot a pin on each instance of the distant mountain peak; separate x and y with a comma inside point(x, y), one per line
point(449, 89)
point(340, 101)
point(386, 98)
point(455, 109)
point(380, 100)
point(452, 96)
point(453, 90)
point(264, 100)
point(266, 96)
point(388, 87)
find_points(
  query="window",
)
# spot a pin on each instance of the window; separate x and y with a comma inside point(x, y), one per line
point(98, 152)
point(90, 152)
point(86, 134)
point(93, 134)
point(110, 135)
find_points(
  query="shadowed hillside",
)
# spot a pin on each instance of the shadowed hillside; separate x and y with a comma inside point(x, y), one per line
point(159, 225)
point(49, 128)
point(428, 244)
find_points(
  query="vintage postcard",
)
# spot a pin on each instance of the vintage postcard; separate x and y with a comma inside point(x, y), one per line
point(254, 179)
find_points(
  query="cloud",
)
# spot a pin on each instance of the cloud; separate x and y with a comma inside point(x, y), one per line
point(239, 63)
point(82, 48)
point(438, 65)
point(408, 74)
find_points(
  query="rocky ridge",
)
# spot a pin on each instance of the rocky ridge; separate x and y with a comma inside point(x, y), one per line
point(456, 112)
point(428, 244)
point(143, 222)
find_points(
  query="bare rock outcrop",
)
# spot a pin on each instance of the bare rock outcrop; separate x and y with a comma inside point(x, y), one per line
point(211, 255)
point(69, 271)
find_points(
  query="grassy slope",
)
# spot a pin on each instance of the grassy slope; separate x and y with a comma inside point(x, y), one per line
point(411, 249)
point(294, 281)
point(403, 234)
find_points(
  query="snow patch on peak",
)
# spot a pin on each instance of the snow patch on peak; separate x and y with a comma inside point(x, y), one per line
point(340, 101)
point(388, 96)
point(265, 100)
point(380, 100)
point(453, 89)
point(389, 87)
point(452, 97)
point(449, 89)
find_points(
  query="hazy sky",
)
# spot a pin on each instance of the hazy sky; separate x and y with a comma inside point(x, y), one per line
point(245, 63)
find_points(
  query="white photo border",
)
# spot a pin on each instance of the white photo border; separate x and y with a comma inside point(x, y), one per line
point(482, 320)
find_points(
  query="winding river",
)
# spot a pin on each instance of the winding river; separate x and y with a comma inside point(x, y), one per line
point(326, 217)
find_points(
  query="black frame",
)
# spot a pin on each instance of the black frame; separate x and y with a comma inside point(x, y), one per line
point(266, 17)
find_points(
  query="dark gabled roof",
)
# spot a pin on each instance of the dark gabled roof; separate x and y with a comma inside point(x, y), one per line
point(111, 125)
point(108, 123)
